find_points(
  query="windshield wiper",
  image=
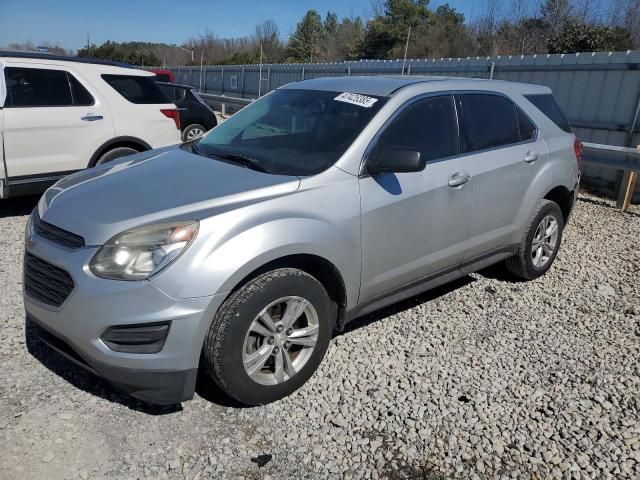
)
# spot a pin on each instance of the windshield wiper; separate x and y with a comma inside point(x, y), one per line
point(244, 160)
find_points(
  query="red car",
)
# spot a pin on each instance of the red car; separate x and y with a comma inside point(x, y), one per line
point(163, 75)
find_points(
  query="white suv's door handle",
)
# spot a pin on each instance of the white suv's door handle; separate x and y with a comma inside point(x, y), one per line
point(458, 179)
point(91, 118)
point(531, 157)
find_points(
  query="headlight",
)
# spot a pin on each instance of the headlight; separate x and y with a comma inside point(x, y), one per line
point(139, 253)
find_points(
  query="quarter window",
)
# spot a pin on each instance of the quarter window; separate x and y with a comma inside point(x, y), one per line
point(547, 105)
point(490, 121)
point(137, 89)
point(427, 126)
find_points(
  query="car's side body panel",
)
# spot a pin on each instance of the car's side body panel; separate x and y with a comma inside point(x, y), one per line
point(322, 218)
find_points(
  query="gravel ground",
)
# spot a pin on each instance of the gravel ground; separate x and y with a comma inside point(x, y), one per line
point(484, 378)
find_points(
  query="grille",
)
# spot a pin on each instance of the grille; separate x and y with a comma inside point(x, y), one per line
point(55, 234)
point(45, 282)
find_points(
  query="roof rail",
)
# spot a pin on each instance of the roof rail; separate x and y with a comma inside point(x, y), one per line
point(65, 58)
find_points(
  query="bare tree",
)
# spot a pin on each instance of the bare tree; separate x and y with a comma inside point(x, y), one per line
point(626, 14)
point(268, 34)
point(485, 28)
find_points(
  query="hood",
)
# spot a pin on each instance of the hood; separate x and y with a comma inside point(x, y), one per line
point(151, 187)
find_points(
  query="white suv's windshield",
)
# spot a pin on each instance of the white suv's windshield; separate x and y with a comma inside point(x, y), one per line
point(292, 132)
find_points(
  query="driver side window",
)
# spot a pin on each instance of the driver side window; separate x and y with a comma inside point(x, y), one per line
point(427, 126)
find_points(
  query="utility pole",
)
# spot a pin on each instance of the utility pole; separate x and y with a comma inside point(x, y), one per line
point(201, 60)
point(260, 74)
point(406, 47)
point(88, 39)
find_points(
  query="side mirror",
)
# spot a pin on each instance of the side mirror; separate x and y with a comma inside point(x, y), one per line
point(395, 160)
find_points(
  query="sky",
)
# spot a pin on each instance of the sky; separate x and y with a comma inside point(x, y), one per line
point(66, 22)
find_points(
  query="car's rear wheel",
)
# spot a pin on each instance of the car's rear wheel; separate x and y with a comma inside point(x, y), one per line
point(540, 244)
point(193, 131)
point(114, 153)
point(269, 336)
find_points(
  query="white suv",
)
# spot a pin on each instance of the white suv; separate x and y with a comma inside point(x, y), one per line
point(63, 114)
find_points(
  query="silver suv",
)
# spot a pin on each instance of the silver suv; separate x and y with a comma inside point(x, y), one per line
point(241, 252)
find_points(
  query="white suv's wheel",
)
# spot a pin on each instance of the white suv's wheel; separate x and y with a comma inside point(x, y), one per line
point(269, 336)
point(115, 153)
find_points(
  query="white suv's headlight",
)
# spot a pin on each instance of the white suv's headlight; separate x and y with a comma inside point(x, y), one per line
point(141, 252)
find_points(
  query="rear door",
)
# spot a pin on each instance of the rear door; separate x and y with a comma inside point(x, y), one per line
point(53, 121)
point(508, 156)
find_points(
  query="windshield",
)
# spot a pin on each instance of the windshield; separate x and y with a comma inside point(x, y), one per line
point(292, 132)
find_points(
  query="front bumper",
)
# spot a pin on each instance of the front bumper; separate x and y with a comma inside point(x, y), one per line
point(74, 329)
point(161, 388)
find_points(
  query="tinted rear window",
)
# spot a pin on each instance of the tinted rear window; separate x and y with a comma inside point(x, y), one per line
point(36, 87)
point(527, 129)
point(136, 89)
point(173, 93)
point(80, 94)
point(547, 105)
point(490, 121)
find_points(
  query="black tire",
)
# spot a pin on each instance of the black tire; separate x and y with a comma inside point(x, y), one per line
point(117, 152)
point(224, 343)
point(521, 264)
point(191, 128)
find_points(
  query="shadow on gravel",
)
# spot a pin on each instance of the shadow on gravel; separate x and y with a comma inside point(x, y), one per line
point(405, 304)
point(209, 391)
point(85, 380)
point(500, 273)
point(16, 207)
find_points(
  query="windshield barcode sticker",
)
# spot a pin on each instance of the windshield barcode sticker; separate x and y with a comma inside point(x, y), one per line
point(356, 99)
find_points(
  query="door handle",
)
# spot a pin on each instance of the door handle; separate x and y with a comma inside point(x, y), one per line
point(531, 157)
point(458, 179)
point(91, 118)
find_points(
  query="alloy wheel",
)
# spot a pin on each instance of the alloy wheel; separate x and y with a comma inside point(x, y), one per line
point(280, 340)
point(544, 241)
point(194, 133)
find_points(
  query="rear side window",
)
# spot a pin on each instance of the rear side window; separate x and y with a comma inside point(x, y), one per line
point(490, 121)
point(547, 105)
point(427, 126)
point(136, 89)
point(80, 94)
point(36, 87)
point(527, 129)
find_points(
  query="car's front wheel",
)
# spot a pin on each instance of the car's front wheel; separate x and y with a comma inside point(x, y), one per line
point(269, 336)
point(540, 243)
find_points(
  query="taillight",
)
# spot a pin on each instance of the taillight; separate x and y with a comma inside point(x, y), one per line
point(172, 113)
point(577, 149)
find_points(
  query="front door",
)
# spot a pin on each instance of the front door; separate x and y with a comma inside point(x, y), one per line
point(415, 225)
point(52, 122)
